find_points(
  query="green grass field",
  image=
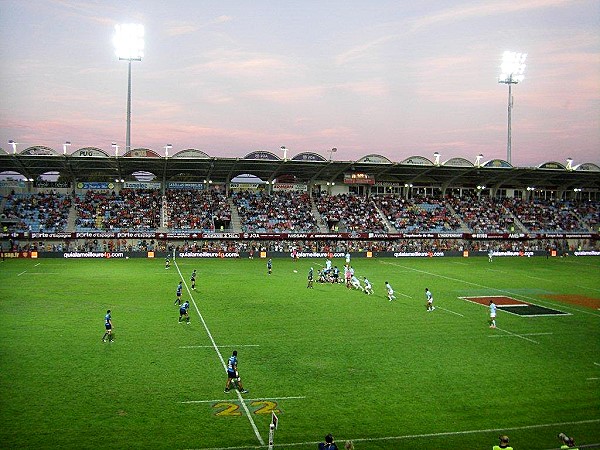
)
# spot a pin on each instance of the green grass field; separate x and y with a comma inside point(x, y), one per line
point(387, 375)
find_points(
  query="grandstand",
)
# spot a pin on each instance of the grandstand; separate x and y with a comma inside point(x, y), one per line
point(294, 340)
point(191, 195)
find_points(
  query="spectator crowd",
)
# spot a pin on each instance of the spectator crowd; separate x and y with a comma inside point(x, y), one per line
point(287, 211)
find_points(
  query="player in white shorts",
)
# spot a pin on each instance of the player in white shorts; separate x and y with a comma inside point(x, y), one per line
point(390, 292)
point(368, 288)
point(492, 314)
point(429, 304)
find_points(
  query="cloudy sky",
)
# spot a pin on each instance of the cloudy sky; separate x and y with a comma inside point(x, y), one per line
point(390, 77)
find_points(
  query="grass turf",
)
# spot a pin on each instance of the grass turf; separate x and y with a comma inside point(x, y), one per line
point(387, 375)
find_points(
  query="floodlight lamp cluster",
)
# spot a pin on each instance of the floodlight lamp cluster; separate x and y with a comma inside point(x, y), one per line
point(512, 68)
point(129, 41)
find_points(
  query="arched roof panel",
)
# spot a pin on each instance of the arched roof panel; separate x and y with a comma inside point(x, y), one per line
point(90, 151)
point(191, 153)
point(374, 158)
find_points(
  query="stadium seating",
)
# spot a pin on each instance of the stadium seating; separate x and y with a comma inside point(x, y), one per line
point(350, 212)
point(189, 210)
point(128, 210)
point(276, 212)
point(420, 214)
point(44, 211)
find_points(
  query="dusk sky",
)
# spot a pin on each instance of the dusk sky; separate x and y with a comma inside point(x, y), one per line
point(394, 78)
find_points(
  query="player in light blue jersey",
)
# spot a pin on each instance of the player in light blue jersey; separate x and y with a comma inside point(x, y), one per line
point(179, 291)
point(429, 296)
point(183, 312)
point(368, 288)
point(492, 314)
point(232, 374)
point(108, 327)
point(355, 282)
point(390, 292)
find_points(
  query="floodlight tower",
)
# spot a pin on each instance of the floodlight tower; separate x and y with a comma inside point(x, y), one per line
point(129, 46)
point(513, 66)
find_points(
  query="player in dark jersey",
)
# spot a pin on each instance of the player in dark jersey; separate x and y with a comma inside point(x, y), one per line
point(233, 375)
point(193, 280)
point(270, 266)
point(108, 327)
point(167, 263)
point(183, 312)
point(336, 274)
point(310, 278)
point(179, 290)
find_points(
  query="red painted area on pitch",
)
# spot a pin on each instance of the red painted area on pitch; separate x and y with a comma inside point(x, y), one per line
point(574, 299)
point(499, 301)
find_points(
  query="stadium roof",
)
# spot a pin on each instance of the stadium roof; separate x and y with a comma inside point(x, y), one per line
point(195, 165)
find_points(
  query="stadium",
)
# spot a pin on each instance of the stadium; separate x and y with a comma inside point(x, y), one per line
point(87, 232)
point(223, 292)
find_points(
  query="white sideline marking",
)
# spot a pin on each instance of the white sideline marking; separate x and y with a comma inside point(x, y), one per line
point(247, 399)
point(216, 347)
point(418, 436)
point(447, 310)
point(536, 300)
point(221, 346)
point(22, 273)
point(517, 335)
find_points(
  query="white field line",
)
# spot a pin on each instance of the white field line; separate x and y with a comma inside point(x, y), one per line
point(597, 364)
point(537, 301)
point(537, 278)
point(459, 263)
point(447, 310)
point(37, 264)
point(580, 263)
point(417, 436)
point(517, 335)
point(403, 295)
point(220, 346)
point(588, 265)
point(593, 378)
point(499, 271)
point(522, 334)
point(215, 346)
point(247, 399)
point(44, 273)
point(22, 273)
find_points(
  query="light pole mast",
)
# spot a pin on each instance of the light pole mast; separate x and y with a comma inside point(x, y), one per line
point(513, 66)
point(129, 46)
